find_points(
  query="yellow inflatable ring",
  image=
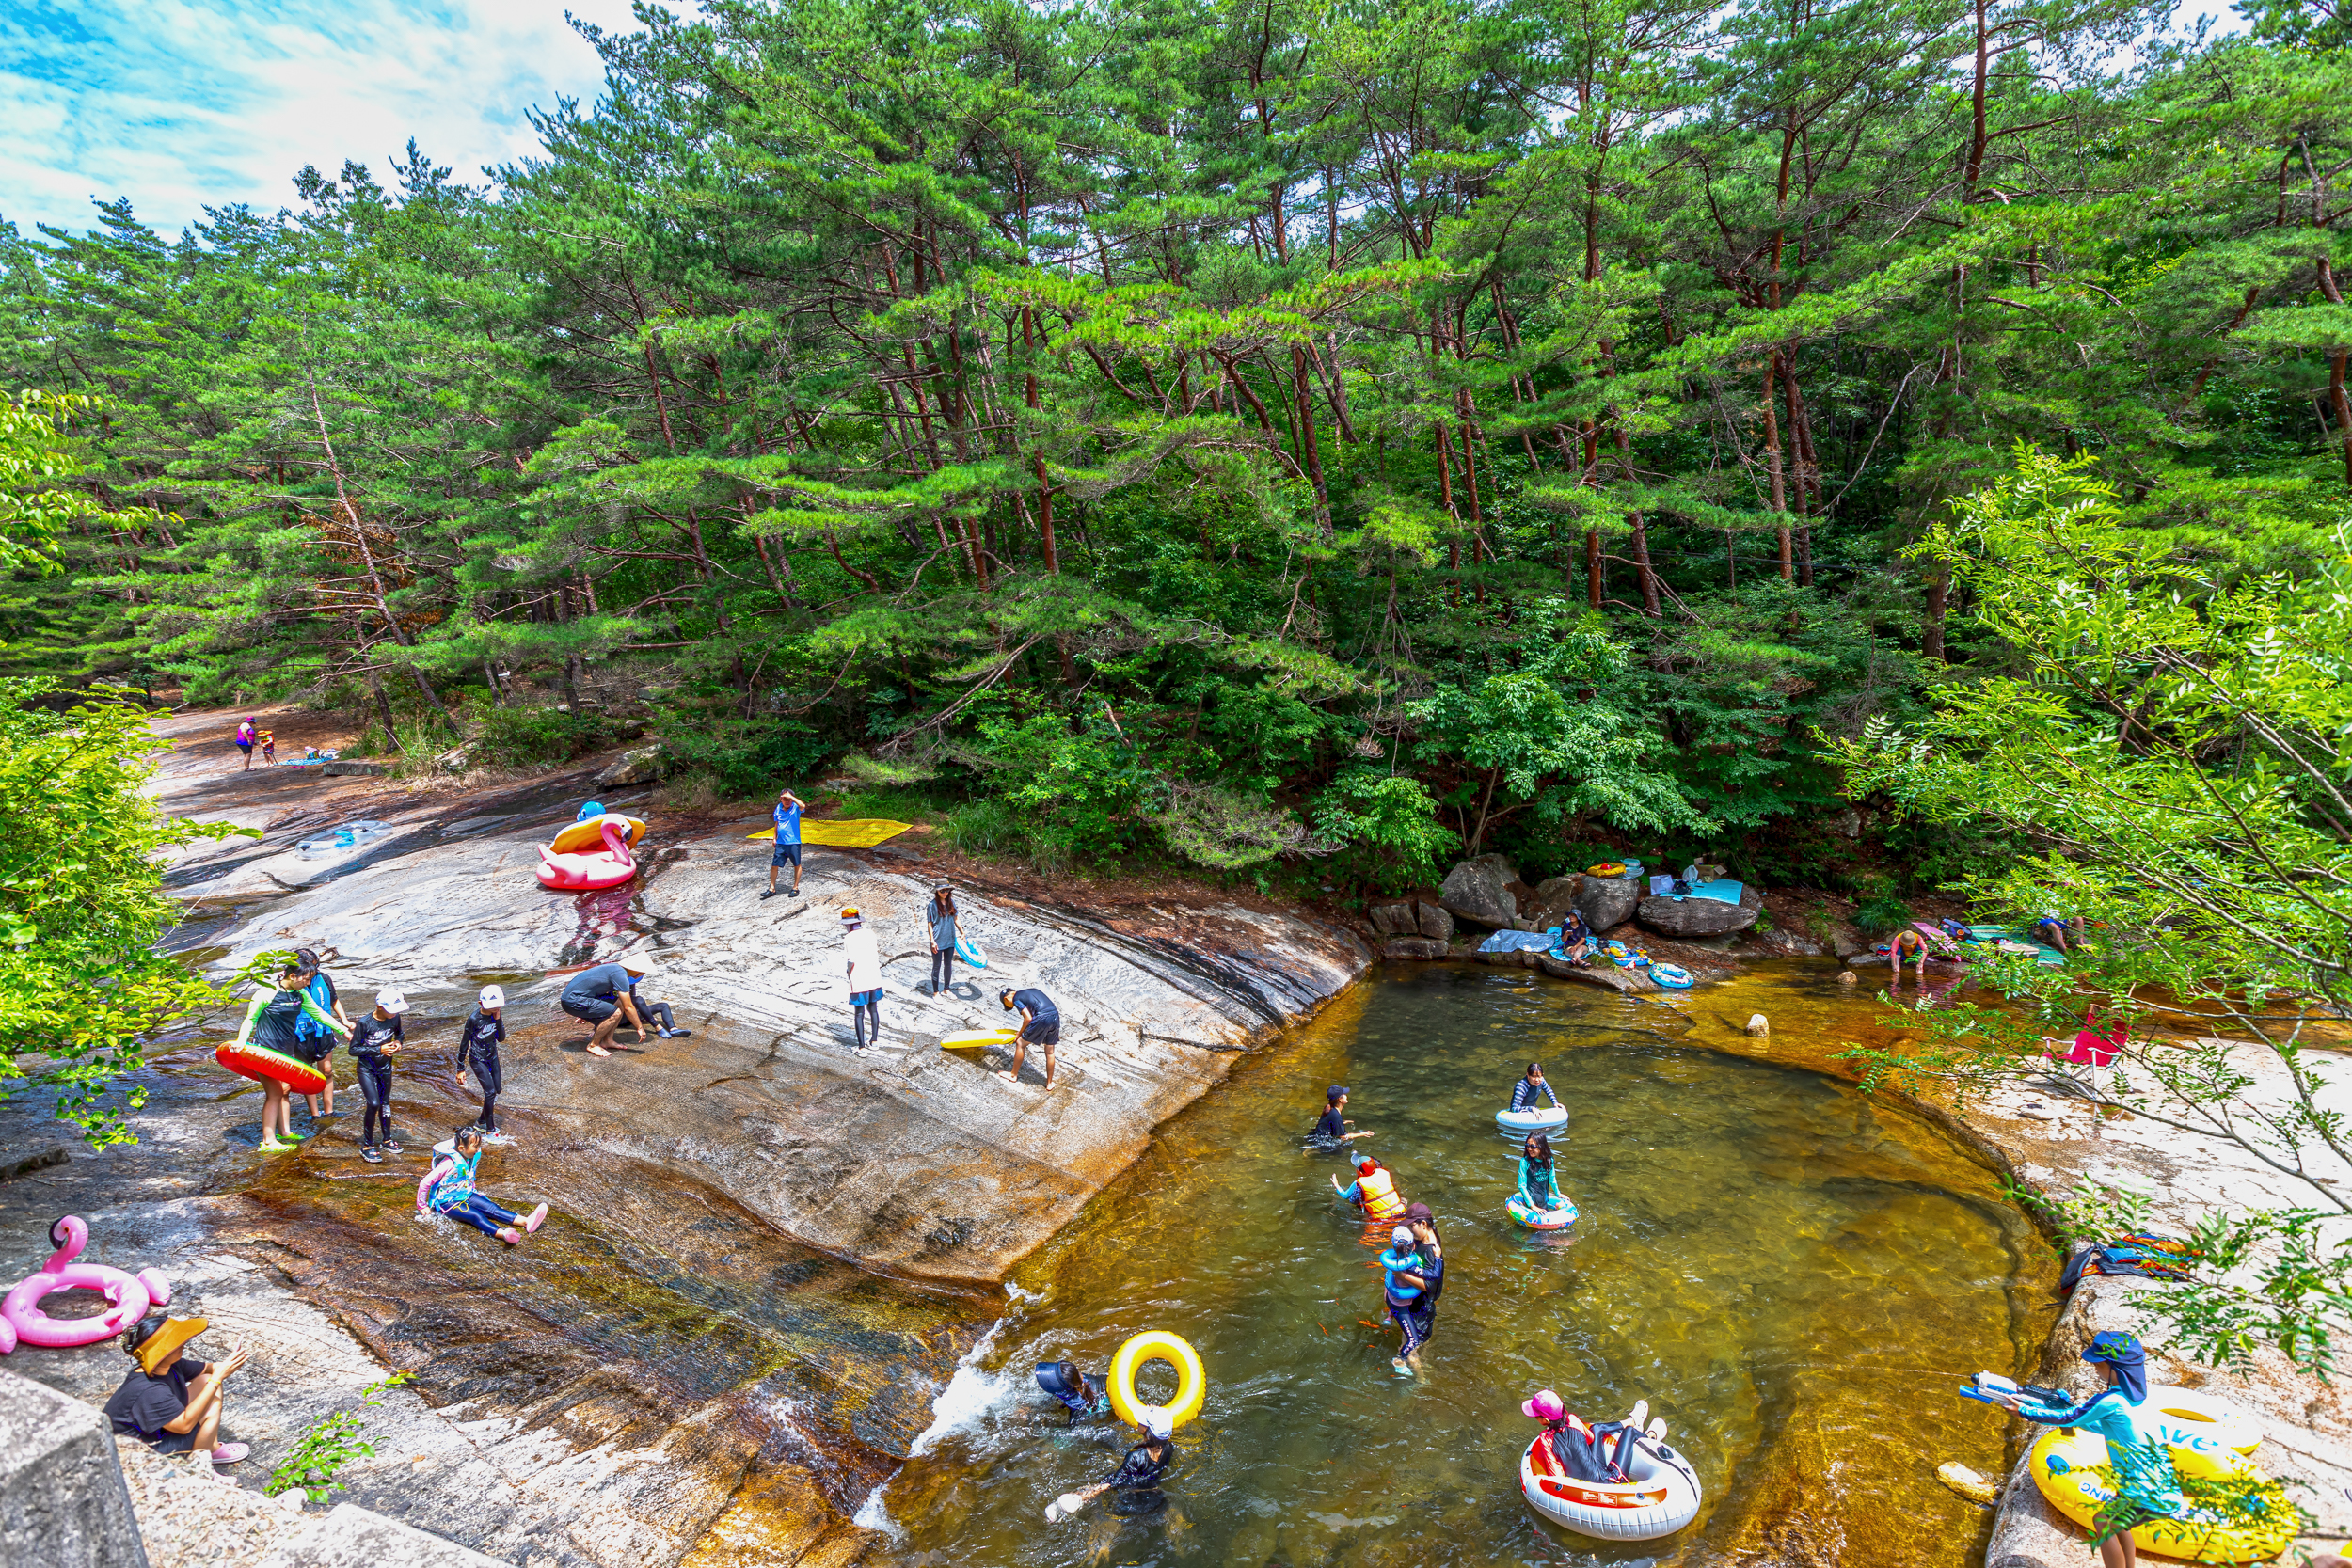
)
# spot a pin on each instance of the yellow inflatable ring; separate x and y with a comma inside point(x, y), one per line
point(2064, 1463)
point(2197, 1425)
point(1158, 1344)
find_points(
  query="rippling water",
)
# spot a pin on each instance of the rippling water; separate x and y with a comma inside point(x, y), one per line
point(1793, 1274)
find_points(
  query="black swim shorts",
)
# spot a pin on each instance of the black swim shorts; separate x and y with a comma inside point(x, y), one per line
point(1043, 1030)
point(786, 854)
point(593, 1009)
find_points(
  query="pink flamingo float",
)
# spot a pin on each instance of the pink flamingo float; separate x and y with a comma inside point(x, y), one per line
point(21, 1317)
point(570, 865)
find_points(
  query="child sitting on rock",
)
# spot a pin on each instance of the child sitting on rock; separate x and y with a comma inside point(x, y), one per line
point(447, 1189)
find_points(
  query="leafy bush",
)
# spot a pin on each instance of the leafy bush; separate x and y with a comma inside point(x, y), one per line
point(1226, 832)
point(521, 737)
point(748, 757)
point(991, 826)
point(1883, 916)
point(1387, 826)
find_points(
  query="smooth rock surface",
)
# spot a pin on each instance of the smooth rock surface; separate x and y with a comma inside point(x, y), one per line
point(1433, 920)
point(1479, 891)
point(1414, 948)
point(1606, 902)
point(642, 766)
point(349, 1536)
point(62, 1501)
point(1601, 972)
point(1699, 917)
point(1395, 920)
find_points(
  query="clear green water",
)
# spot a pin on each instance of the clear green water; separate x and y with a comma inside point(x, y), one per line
point(1793, 1274)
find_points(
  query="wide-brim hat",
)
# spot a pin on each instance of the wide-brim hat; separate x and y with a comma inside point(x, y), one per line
point(163, 1345)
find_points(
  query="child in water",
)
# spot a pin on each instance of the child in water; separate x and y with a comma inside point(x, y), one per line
point(1402, 1284)
point(1537, 1189)
point(447, 1189)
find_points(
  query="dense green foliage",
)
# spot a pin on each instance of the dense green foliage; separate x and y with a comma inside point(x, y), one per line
point(2170, 751)
point(1238, 429)
point(81, 906)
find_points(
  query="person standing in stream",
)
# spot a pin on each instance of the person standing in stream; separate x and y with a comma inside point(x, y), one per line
point(373, 1040)
point(270, 1024)
point(787, 847)
point(478, 1050)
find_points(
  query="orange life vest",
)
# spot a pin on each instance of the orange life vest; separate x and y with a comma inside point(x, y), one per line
point(1376, 1190)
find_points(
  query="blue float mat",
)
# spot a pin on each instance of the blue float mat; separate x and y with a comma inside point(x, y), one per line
point(1519, 941)
point(2049, 957)
point(1724, 892)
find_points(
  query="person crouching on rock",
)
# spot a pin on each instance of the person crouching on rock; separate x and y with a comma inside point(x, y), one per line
point(447, 1189)
point(170, 1401)
point(863, 959)
point(600, 997)
point(1040, 1026)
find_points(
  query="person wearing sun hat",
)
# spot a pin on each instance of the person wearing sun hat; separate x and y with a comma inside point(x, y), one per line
point(864, 964)
point(170, 1402)
point(1137, 1478)
point(600, 997)
point(2146, 1485)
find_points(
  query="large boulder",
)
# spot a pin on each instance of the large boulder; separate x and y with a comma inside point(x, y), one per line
point(1700, 917)
point(1553, 898)
point(1608, 902)
point(1433, 922)
point(1395, 920)
point(1479, 890)
point(1413, 947)
point(1630, 981)
point(642, 766)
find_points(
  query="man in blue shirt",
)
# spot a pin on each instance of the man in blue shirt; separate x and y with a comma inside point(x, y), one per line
point(788, 809)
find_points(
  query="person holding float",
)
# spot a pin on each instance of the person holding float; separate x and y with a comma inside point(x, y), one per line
point(1526, 1113)
point(267, 1049)
point(2146, 1486)
point(1405, 1288)
point(1040, 1026)
point(170, 1402)
point(318, 1045)
point(447, 1189)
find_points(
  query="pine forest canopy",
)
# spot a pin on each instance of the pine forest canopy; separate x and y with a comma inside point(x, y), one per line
point(1258, 426)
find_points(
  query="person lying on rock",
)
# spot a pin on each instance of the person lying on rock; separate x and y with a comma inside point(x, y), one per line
point(600, 997)
point(447, 1189)
point(170, 1402)
point(2064, 935)
point(1040, 1026)
point(1331, 1131)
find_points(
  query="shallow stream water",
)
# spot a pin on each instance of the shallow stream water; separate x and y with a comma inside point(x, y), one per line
point(1792, 1272)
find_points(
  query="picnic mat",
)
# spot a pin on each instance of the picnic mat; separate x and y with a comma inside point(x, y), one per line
point(2046, 956)
point(850, 832)
point(1517, 942)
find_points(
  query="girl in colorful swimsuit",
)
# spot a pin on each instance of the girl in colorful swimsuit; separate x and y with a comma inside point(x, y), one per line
point(447, 1189)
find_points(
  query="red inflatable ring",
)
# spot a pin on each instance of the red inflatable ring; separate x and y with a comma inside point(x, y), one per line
point(258, 1063)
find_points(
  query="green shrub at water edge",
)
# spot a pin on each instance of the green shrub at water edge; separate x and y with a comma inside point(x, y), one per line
point(328, 1445)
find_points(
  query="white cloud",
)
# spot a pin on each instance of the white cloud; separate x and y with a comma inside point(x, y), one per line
point(184, 103)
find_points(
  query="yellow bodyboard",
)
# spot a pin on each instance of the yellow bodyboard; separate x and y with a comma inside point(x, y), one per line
point(855, 832)
point(979, 1040)
point(583, 838)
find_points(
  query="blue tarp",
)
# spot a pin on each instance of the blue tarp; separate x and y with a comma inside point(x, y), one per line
point(1519, 941)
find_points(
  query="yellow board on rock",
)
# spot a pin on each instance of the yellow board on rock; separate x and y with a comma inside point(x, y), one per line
point(979, 1040)
point(855, 832)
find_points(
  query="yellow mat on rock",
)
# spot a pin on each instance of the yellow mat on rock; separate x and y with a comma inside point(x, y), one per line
point(855, 832)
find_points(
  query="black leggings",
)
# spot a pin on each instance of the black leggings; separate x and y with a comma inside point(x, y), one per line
point(860, 1012)
point(943, 969)
point(488, 1120)
point(659, 1013)
point(375, 1087)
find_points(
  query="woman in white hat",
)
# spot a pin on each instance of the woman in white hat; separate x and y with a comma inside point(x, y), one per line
point(865, 986)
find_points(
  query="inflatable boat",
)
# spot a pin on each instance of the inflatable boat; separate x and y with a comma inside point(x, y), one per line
point(1659, 1496)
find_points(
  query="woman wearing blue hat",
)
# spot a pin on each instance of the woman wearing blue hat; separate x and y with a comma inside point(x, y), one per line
point(2146, 1486)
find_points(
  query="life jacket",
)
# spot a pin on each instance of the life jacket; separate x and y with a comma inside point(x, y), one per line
point(1376, 1190)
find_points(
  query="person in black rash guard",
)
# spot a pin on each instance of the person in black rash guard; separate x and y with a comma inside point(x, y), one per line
point(1137, 1481)
point(1082, 1398)
point(478, 1050)
point(1430, 1249)
point(374, 1039)
point(1331, 1131)
point(1528, 1090)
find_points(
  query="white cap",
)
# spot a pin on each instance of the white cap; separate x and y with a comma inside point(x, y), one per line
point(391, 1001)
point(1157, 1421)
point(492, 997)
point(1400, 1235)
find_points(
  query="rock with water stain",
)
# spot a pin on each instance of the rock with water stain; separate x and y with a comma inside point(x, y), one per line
point(1606, 902)
point(1700, 917)
point(1479, 891)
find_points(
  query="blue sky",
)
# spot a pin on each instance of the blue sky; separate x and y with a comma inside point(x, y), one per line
point(182, 103)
